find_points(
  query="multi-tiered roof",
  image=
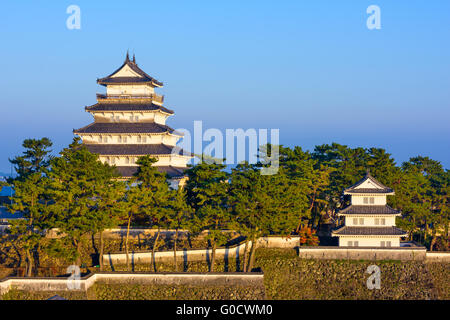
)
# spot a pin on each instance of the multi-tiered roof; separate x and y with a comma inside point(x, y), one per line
point(369, 216)
point(130, 121)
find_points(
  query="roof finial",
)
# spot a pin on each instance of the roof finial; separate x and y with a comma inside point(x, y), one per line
point(134, 58)
point(127, 58)
point(368, 172)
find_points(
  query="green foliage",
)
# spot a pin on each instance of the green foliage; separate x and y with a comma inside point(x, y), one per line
point(35, 158)
point(82, 192)
point(207, 193)
point(30, 197)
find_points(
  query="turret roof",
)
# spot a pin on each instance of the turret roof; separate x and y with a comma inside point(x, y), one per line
point(369, 231)
point(127, 107)
point(139, 75)
point(356, 210)
point(368, 184)
point(124, 127)
point(135, 149)
point(173, 172)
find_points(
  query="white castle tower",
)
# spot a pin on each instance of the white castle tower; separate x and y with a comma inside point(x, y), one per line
point(369, 221)
point(130, 121)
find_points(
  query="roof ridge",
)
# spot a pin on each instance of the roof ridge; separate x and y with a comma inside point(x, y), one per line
point(82, 128)
point(135, 68)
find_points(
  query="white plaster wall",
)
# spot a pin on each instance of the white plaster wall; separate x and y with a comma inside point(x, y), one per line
point(163, 138)
point(176, 161)
point(369, 221)
point(135, 90)
point(379, 200)
point(131, 116)
point(126, 71)
point(368, 241)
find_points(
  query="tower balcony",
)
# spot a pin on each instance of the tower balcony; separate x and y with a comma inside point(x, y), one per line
point(102, 97)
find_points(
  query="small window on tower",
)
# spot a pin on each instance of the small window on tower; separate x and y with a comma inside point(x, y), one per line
point(127, 160)
point(138, 138)
point(99, 138)
point(119, 139)
point(355, 221)
point(136, 118)
point(388, 243)
point(144, 139)
point(383, 221)
point(355, 243)
point(366, 200)
point(382, 244)
point(377, 221)
point(361, 221)
point(125, 139)
point(372, 200)
point(105, 139)
point(117, 118)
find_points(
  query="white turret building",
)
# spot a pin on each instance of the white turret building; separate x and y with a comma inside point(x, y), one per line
point(130, 121)
point(369, 221)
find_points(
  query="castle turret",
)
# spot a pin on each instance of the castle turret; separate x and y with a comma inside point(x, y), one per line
point(369, 221)
point(130, 121)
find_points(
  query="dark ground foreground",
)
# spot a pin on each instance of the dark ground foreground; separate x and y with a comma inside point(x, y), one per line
point(286, 277)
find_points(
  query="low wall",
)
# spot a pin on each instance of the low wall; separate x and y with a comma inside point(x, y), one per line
point(200, 254)
point(363, 253)
point(438, 256)
point(119, 233)
point(63, 284)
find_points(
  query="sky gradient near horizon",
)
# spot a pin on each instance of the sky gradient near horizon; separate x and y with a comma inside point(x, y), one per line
point(309, 68)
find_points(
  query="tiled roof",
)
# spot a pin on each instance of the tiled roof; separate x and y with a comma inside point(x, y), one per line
point(127, 107)
point(381, 188)
point(369, 231)
point(132, 64)
point(133, 149)
point(368, 210)
point(124, 127)
point(173, 172)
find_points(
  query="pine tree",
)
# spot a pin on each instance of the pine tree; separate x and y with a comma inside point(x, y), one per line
point(77, 184)
point(148, 196)
point(30, 198)
point(207, 192)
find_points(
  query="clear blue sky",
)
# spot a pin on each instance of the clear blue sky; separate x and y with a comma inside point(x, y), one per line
point(310, 68)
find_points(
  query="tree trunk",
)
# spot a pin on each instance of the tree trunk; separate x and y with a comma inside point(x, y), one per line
point(29, 263)
point(155, 246)
point(175, 250)
point(252, 255)
point(100, 258)
point(213, 256)
point(433, 242)
point(126, 242)
point(78, 262)
point(244, 268)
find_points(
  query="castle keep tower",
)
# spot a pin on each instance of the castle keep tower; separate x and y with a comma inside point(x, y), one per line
point(369, 221)
point(130, 121)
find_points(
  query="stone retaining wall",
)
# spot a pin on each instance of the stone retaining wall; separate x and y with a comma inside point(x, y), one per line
point(63, 284)
point(361, 253)
point(438, 256)
point(201, 254)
